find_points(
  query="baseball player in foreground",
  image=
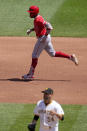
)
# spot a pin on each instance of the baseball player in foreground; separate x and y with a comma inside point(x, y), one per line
point(49, 112)
point(42, 30)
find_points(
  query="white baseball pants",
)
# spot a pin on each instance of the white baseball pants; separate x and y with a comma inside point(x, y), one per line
point(40, 46)
point(50, 129)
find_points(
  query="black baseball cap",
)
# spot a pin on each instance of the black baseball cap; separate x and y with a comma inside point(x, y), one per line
point(48, 91)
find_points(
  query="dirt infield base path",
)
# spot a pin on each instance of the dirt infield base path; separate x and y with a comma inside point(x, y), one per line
point(68, 81)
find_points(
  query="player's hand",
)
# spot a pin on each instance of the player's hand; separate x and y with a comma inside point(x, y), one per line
point(31, 127)
point(28, 31)
point(52, 113)
point(43, 38)
point(60, 116)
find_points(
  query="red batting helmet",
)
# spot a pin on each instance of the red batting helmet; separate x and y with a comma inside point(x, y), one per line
point(33, 9)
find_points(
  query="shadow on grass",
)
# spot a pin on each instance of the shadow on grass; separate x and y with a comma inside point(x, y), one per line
point(21, 80)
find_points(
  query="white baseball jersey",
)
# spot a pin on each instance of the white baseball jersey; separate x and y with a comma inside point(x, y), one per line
point(47, 121)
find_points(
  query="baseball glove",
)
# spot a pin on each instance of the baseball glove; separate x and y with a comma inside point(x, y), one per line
point(31, 127)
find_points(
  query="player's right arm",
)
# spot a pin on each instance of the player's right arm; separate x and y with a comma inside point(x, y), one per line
point(29, 31)
point(35, 119)
point(32, 125)
point(34, 122)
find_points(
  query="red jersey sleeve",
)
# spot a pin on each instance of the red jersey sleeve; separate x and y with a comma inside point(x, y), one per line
point(39, 26)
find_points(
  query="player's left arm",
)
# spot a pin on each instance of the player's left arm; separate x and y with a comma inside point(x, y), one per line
point(48, 28)
point(60, 116)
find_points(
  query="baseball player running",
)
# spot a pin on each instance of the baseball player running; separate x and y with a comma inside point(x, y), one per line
point(49, 112)
point(42, 30)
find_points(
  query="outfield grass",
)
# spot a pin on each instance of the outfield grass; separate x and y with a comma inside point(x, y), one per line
point(68, 17)
point(14, 19)
point(71, 19)
point(15, 117)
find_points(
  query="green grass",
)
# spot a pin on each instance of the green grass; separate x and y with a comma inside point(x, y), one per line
point(68, 17)
point(14, 19)
point(15, 117)
point(71, 19)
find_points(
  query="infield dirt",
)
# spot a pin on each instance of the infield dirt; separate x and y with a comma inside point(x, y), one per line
point(68, 81)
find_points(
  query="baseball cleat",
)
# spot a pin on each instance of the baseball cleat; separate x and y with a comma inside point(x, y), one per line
point(74, 59)
point(27, 77)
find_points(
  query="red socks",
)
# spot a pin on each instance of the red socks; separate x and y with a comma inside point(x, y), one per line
point(33, 65)
point(34, 62)
point(60, 54)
